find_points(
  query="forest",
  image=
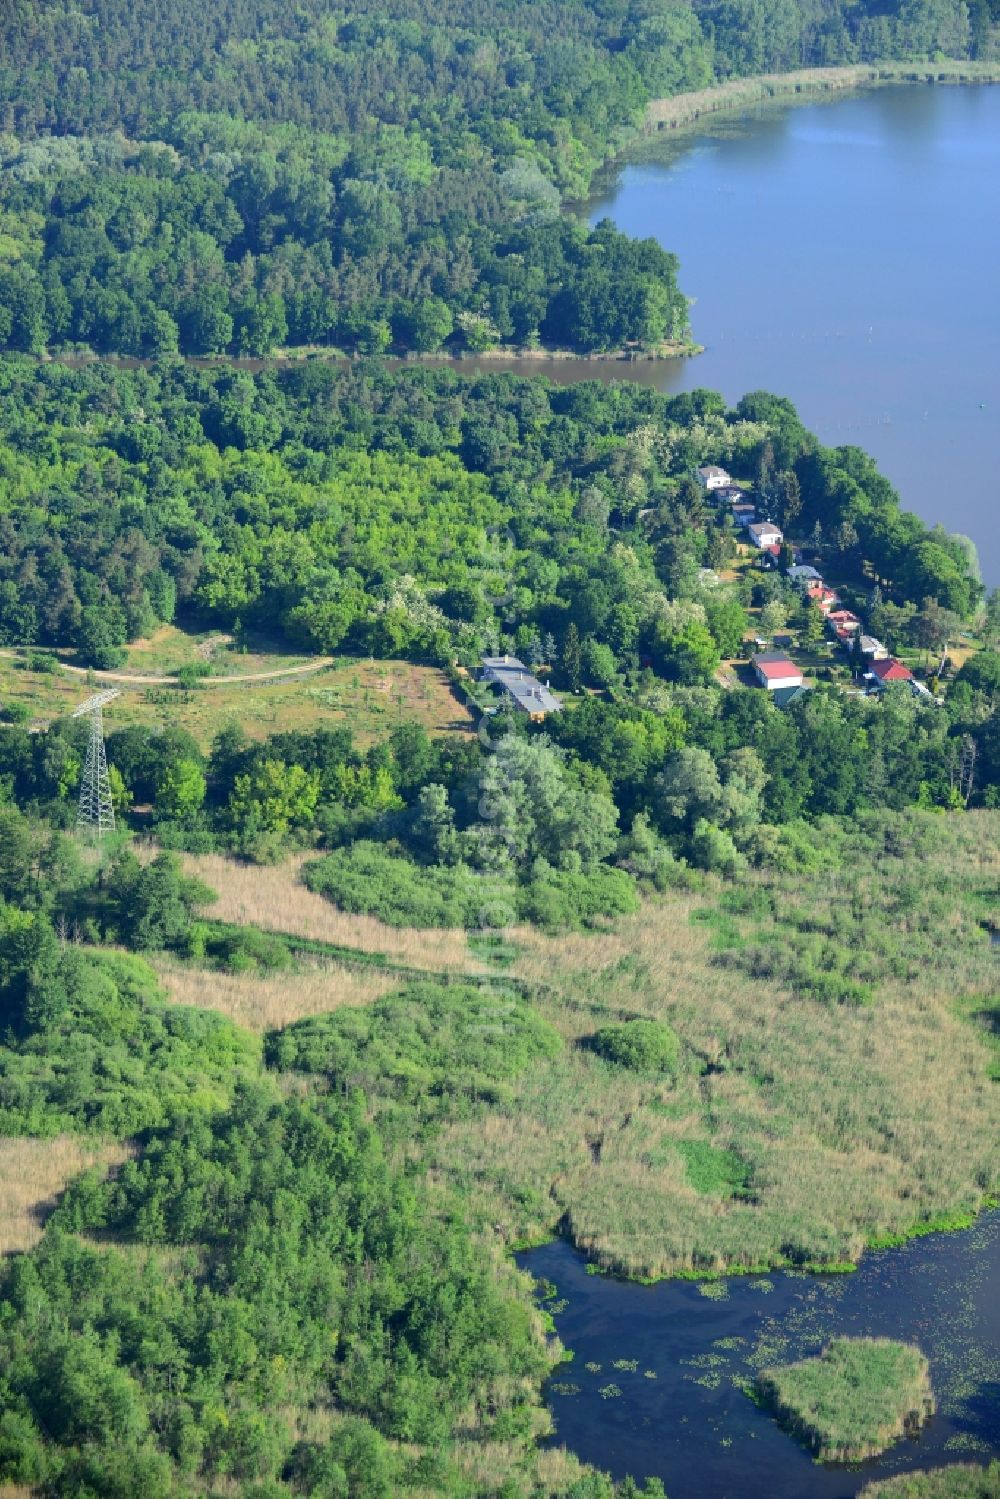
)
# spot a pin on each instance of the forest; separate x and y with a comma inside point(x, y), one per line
point(263, 177)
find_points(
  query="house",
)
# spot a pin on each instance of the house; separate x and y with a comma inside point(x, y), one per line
point(826, 598)
point(844, 622)
point(774, 670)
point(730, 494)
point(872, 648)
point(744, 515)
point(516, 682)
point(765, 533)
point(782, 697)
point(712, 477)
point(804, 574)
point(888, 670)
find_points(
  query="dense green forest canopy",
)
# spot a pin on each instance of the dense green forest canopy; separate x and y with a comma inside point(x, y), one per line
point(418, 514)
point(245, 175)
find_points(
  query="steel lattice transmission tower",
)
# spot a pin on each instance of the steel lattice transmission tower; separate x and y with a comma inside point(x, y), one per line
point(96, 812)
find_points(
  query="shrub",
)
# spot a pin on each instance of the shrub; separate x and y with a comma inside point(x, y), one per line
point(426, 1041)
point(366, 878)
point(563, 898)
point(647, 1046)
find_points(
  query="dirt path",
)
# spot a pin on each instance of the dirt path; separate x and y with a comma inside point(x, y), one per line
point(129, 679)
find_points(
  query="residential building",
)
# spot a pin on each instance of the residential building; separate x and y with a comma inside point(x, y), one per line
point(774, 670)
point(712, 477)
point(844, 622)
point(516, 682)
point(765, 533)
point(802, 573)
point(872, 648)
point(888, 670)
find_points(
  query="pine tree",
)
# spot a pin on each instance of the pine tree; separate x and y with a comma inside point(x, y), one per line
point(572, 659)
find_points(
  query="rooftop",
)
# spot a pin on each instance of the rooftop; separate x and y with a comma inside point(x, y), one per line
point(513, 676)
point(775, 664)
point(891, 670)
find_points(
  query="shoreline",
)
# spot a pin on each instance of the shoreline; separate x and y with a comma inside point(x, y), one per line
point(681, 110)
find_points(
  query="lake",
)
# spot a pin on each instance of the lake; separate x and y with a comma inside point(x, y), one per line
point(681, 1414)
point(844, 254)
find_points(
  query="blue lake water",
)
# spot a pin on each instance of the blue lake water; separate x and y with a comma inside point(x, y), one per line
point(693, 1426)
point(845, 254)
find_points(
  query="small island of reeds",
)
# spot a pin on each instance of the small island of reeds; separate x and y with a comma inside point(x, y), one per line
point(858, 1397)
point(958, 1481)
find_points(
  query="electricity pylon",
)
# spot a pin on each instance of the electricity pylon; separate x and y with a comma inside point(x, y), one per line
point(96, 812)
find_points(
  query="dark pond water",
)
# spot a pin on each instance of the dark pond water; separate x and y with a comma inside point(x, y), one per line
point(845, 254)
point(692, 1426)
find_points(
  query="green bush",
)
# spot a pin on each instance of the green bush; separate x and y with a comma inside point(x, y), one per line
point(107, 1054)
point(366, 878)
point(567, 899)
point(427, 1042)
point(647, 1046)
point(958, 1481)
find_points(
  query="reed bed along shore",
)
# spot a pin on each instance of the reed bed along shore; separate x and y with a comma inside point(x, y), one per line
point(32, 1175)
point(806, 83)
point(273, 898)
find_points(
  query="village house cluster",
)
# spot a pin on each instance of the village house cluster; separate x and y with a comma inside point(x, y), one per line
point(775, 671)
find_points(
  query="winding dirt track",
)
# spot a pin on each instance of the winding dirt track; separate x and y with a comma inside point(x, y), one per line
point(127, 679)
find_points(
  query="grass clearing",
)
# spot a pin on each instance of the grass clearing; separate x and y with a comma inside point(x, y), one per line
point(33, 1172)
point(260, 1003)
point(273, 898)
point(370, 696)
point(857, 1398)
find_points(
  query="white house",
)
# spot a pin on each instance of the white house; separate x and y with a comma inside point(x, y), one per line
point(774, 670)
point(765, 533)
point(712, 477)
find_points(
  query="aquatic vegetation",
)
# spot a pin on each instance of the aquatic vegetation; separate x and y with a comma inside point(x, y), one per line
point(714, 1290)
point(858, 1397)
point(593, 1368)
point(609, 1391)
point(960, 1481)
point(629, 1364)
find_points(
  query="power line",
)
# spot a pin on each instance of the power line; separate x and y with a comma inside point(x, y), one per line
point(96, 811)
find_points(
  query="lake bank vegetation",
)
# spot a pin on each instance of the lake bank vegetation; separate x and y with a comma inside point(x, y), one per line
point(959, 1481)
point(858, 1397)
point(739, 94)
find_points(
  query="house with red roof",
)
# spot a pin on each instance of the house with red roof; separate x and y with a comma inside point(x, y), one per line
point(890, 670)
point(844, 621)
point(774, 670)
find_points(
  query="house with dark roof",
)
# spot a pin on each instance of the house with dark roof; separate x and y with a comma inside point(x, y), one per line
point(802, 573)
point(774, 670)
point(517, 684)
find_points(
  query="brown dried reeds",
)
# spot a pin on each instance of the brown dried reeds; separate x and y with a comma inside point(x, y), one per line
point(32, 1175)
